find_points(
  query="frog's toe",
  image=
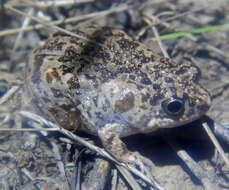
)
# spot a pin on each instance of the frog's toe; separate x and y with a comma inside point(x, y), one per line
point(143, 164)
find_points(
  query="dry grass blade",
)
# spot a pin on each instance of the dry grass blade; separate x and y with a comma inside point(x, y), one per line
point(207, 180)
point(100, 151)
point(48, 24)
point(216, 143)
point(114, 180)
point(156, 36)
point(9, 94)
point(60, 164)
point(20, 35)
point(47, 4)
point(29, 129)
point(120, 8)
point(132, 182)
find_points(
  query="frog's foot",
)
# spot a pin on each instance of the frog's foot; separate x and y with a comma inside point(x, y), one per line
point(143, 164)
point(109, 136)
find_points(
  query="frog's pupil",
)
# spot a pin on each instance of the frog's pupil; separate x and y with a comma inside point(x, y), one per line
point(174, 106)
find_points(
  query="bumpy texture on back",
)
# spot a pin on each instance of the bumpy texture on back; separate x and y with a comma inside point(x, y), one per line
point(112, 79)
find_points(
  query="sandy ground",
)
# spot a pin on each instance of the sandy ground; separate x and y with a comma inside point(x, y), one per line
point(49, 160)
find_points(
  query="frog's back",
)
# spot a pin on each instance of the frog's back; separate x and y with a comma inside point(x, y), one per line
point(112, 79)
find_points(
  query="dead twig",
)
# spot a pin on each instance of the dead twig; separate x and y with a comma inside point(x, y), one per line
point(100, 151)
point(120, 8)
point(216, 143)
point(156, 36)
point(207, 180)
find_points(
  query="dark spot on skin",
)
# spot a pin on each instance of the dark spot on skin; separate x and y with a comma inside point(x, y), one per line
point(156, 86)
point(56, 93)
point(73, 83)
point(66, 115)
point(185, 96)
point(89, 113)
point(195, 76)
point(143, 106)
point(50, 58)
point(90, 48)
point(104, 107)
point(145, 97)
point(121, 34)
point(75, 41)
point(81, 68)
point(125, 103)
point(146, 81)
point(70, 54)
point(110, 140)
point(163, 63)
point(46, 100)
point(107, 105)
point(48, 78)
point(125, 69)
point(157, 75)
point(38, 60)
point(132, 77)
point(139, 87)
point(152, 58)
point(154, 100)
point(60, 45)
point(90, 77)
point(182, 70)
point(99, 115)
point(169, 80)
point(146, 59)
point(65, 69)
point(203, 108)
point(173, 90)
point(59, 34)
point(126, 44)
point(191, 111)
point(105, 55)
point(52, 75)
point(95, 100)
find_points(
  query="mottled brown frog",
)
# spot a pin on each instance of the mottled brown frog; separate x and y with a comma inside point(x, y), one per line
point(112, 86)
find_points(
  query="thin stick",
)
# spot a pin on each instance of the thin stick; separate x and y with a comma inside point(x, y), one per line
point(69, 20)
point(47, 4)
point(156, 34)
point(9, 94)
point(48, 24)
point(207, 180)
point(20, 34)
point(29, 129)
point(216, 143)
point(132, 182)
point(91, 147)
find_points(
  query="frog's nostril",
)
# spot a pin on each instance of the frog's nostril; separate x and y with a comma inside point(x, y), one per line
point(203, 108)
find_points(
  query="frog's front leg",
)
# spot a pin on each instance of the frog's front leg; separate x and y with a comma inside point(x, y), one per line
point(110, 137)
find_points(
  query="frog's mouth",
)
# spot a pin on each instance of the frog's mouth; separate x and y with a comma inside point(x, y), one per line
point(165, 119)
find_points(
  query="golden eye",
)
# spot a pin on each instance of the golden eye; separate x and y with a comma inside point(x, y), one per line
point(173, 106)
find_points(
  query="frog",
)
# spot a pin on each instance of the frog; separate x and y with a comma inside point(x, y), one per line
point(105, 83)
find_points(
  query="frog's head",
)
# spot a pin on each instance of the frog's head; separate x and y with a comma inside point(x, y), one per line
point(179, 99)
point(163, 94)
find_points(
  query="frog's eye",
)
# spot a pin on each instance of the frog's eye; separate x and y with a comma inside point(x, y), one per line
point(173, 106)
